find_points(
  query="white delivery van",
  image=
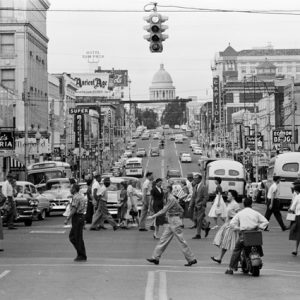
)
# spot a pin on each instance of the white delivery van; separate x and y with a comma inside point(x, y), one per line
point(287, 166)
point(232, 173)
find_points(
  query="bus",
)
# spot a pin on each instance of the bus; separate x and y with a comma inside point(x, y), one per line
point(41, 172)
point(134, 167)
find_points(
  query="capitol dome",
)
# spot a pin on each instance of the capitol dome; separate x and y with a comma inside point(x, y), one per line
point(162, 85)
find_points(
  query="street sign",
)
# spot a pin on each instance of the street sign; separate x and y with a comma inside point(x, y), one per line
point(250, 141)
point(7, 140)
point(79, 111)
point(282, 136)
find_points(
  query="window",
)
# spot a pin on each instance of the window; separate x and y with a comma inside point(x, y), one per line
point(243, 69)
point(279, 69)
point(7, 44)
point(290, 167)
point(220, 172)
point(289, 69)
point(298, 69)
point(233, 173)
point(252, 70)
point(8, 78)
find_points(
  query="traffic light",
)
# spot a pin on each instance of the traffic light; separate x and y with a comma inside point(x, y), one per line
point(156, 29)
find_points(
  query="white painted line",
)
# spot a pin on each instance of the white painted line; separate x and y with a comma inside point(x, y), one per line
point(48, 231)
point(3, 274)
point(163, 168)
point(149, 292)
point(162, 292)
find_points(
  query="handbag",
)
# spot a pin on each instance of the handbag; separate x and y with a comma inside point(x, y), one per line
point(291, 217)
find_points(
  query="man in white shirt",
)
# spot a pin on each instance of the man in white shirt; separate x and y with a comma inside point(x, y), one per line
point(98, 190)
point(273, 203)
point(246, 219)
point(8, 193)
point(146, 190)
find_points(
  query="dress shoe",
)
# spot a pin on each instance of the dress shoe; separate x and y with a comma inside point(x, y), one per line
point(12, 227)
point(1, 250)
point(152, 227)
point(192, 227)
point(190, 263)
point(153, 261)
point(155, 237)
point(116, 227)
point(229, 272)
point(80, 258)
point(196, 237)
point(207, 230)
point(216, 260)
point(102, 227)
point(143, 229)
point(295, 253)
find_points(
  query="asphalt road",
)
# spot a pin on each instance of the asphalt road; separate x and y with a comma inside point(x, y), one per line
point(38, 261)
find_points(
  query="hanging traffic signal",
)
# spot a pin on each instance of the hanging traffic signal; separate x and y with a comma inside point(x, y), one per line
point(156, 29)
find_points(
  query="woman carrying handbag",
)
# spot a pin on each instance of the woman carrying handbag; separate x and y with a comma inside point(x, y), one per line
point(218, 209)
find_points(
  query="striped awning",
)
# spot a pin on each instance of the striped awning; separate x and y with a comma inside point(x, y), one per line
point(15, 164)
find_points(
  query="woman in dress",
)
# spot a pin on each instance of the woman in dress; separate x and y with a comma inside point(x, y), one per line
point(157, 194)
point(226, 236)
point(295, 227)
point(218, 209)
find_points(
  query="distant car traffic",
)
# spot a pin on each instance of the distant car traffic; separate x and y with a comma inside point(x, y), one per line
point(141, 152)
point(128, 153)
point(154, 151)
point(197, 151)
point(185, 158)
point(173, 173)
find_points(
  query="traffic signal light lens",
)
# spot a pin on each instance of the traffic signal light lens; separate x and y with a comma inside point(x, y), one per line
point(155, 28)
point(155, 19)
point(155, 38)
point(156, 47)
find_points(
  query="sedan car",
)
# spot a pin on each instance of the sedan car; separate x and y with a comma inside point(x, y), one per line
point(197, 151)
point(185, 157)
point(141, 152)
point(128, 153)
point(173, 173)
point(154, 151)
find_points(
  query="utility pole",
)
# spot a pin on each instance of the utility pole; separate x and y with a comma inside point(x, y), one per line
point(293, 113)
point(99, 162)
point(255, 132)
point(52, 126)
point(80, 145)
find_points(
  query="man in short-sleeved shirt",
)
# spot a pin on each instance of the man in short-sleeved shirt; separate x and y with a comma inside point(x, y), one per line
point(273, 203)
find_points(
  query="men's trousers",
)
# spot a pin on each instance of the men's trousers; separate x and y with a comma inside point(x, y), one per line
point(236, 253)
point(76, 234)
point(105, 215)
point(96, 220)
point(276, 211)
point(144, 212)
point(173, 229)
point(201, 221)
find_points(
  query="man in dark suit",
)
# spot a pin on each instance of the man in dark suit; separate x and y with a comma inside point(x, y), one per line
point(198, 206)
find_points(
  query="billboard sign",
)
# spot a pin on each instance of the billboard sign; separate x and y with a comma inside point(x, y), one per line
point(250, 141)
point(282, 136)
point(92, 84)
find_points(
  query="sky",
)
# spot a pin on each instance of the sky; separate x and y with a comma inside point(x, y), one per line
point(194, 38)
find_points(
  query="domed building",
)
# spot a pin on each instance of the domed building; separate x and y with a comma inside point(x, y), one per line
point(162, 86)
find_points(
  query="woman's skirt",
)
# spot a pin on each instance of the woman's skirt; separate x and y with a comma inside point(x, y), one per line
point(226, 237)
point(295, 230)
point(213, 213)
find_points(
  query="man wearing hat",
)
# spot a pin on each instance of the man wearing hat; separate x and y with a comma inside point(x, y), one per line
point(8, 193)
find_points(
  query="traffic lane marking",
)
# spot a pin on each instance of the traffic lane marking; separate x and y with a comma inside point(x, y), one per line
point(149, 291)
point(3, 274)
point(48, 231)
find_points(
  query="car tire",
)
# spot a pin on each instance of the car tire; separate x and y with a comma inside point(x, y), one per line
point(42, 215)
point(48, 213)
point(28, 223)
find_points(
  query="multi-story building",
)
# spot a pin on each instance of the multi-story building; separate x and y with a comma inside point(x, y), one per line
point(247, 81)
point(23, 59)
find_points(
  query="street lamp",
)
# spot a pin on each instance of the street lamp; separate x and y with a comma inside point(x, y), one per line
point(130, 109)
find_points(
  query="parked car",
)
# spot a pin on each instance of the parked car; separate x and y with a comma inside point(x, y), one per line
point(128, 153)
point(26, 209)
point(173, 173)
point(141, 152)
point(27, 190)
point(185, 157)
point(154, 151)
point(117, 171)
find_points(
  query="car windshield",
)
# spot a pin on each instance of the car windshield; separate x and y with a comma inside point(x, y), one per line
point(141, 149)
point(54, 185)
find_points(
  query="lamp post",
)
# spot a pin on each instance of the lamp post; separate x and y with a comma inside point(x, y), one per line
point(130, 108)
point(38, 138)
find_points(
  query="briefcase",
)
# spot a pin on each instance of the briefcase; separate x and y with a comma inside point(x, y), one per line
point(252, 238)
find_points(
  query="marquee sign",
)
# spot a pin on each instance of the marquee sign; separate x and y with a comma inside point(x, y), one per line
point(7, 140)
point(216, 100)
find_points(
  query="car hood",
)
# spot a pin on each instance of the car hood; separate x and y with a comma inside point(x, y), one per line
point(57, 194)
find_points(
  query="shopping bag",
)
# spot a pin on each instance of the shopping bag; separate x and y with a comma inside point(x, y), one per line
point(291, 217)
